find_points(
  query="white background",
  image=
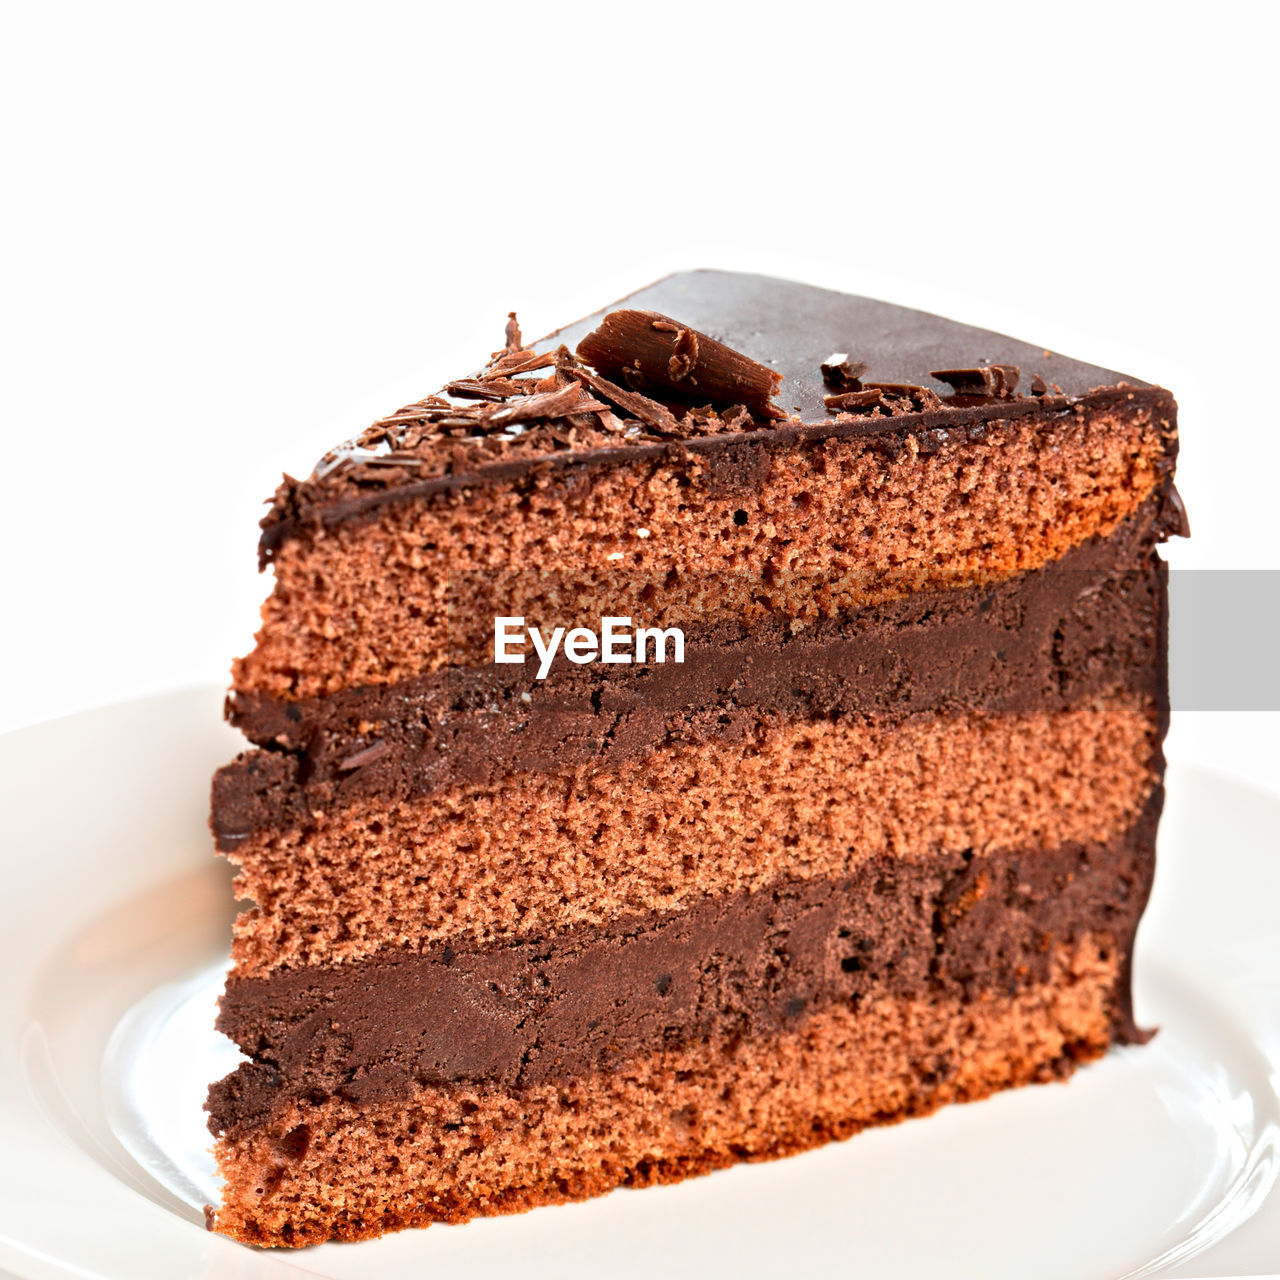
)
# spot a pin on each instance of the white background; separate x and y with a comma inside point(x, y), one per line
point(235, 233)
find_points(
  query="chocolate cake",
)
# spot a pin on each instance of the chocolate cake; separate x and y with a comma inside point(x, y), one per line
point(856, 818)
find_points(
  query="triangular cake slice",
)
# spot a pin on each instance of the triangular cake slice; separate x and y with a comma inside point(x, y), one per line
point(730, 722)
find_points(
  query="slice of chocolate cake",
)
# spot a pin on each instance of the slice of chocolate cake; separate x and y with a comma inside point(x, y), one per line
point(676, 744)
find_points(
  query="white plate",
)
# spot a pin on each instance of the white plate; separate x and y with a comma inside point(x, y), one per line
point(1156, 1161)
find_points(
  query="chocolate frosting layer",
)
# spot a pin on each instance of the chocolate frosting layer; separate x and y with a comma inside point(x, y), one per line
point(1085, 625)
point(742, 964)
point(787, 327)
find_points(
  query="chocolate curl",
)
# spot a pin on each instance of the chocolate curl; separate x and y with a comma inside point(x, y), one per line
point(649, 352)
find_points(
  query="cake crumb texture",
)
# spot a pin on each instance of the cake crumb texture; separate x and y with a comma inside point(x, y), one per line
point(546, 852)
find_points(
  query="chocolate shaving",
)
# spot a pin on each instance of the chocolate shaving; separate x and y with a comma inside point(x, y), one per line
point(564, 434)
point(735, 419)
point(547, 404)
point(684, 355)
point(463, 419)
point(886, 398)
point(608, 422)
point(367, 756)
point(556, 379)
point(487, 388)
point(511, 363)
point(649, 351)
point(514, 343)
point(650, 412)
point(412, 412)
point(409, 414)
point(1039, 386)
point(708, 421)
point(853, 401)
point(916, 399)
point(991, 381)
point(842, 374)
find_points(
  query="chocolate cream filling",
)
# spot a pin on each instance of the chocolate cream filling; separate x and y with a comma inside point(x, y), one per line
point(521, 1014)
point(1089, 623)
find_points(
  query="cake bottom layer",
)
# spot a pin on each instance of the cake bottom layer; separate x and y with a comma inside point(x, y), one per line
point(338, 1170)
